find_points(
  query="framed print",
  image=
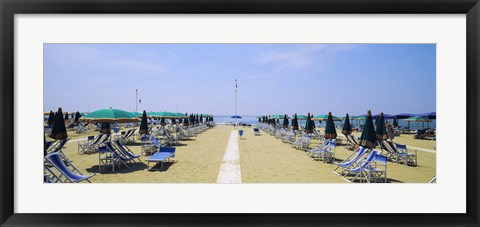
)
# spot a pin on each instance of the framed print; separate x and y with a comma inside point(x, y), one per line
point(239, 113)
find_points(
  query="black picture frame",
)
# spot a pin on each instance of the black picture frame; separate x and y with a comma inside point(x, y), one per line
point(9, 8)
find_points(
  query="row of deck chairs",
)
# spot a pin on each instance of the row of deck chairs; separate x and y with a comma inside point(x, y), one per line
point(81, 128)
point(92, 143)
point(363, 165)
point(393, 151)
point(324, 151)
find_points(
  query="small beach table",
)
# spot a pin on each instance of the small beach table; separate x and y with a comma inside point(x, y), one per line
point(163, 155)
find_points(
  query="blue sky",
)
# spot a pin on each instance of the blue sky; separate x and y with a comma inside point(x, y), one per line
point(272, 78)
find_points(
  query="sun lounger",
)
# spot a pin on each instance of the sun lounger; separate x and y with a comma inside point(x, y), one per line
point(90, 145)
point(163, 155)
point(117, 156)
point(399, 153)
point(74, 176)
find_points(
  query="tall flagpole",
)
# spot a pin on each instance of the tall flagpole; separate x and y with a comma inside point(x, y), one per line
point(136, 100)
point(236, 88)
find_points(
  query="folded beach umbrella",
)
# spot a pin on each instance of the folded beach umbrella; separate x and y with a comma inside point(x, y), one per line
point(395, 122)
point(110, 115)
point(381, 130)
point(330, 131)
point(308, 123)
point(143, 124)
point(285, 121)
point(278, 121)
point(106, 128)
point(376, 119)
point(51, 118)
point(312, 125)
point(59, 132)
point(295, 122)
point(201, 118)
point(347, 128)
point(162, 121)
point(77, 117)
point(368, 138)
point(66, 116)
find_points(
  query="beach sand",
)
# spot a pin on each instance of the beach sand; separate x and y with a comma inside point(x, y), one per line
point(263, 159)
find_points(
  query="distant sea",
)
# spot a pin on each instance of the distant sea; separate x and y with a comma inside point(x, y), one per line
point(249, 119)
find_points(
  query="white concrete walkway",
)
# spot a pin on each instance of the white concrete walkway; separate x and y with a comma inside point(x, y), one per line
point(230, 169)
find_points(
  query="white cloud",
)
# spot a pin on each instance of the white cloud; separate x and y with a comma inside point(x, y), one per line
point(301, 56)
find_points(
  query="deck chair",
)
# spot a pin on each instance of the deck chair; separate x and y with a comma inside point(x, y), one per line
point(119, 158)
point(126, 151)
point(359, 172)
point(165, 154)
point(349, 161)
point(399, 153)
point(315, 152)
point(57, 145)
point(89, 145)
point(256, 131)
point(74, 176)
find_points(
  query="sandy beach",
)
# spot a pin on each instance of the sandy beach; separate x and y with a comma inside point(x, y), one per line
point(263, 159)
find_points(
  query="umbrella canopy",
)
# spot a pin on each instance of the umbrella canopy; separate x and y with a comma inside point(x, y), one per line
point(368, 138)
point(77, 117)
point(277, 116)
point(59, 132)
point(431, 115)
point(235, 116)
point(51, 118)
point(143, 125)
point(330, 131)
point(385, 116)
point(324, 117)
point(110, 115)
point(301, 117)
point(295, 122)
point(404, 115)
point(381, 130)
point(418, 119)
point(136, 114)
point(347, 128)
point(285, 121)
point(165, 114)
point(360, 118)
point(106, 128)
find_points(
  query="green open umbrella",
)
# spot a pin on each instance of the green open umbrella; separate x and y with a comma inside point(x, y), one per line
point(106, 128)
point(324, 117)
point(330, 131)
point(417, 119)
point(295, 122)
point(110, 115)
point(368, 138)
point(381, 130)
point(347, 128)
point(59, 131)
point(143, 124)
point(285, 121)
point(302, 117)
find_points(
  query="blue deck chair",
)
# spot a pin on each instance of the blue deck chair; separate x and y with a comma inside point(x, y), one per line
point(56, 160)
point(359, 153)
point(316, 152)
point(363, 172)
point(127, 152)
point(256, 131)
point(118, 156)
point(376, 171)
point(88, 145)
point(163, 155)
point(57, 145)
